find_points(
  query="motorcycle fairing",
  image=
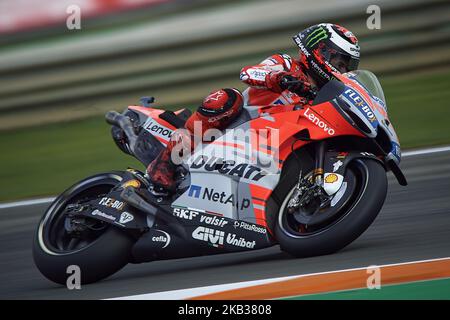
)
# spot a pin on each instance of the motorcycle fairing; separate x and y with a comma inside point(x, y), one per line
point(226, 179)
point(151, 122)
point(378, 107)
point(235, 178)
point(208, 229)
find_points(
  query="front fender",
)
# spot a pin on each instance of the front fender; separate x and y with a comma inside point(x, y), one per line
point(335, 164)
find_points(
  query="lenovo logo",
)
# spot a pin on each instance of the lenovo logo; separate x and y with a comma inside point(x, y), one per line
point(316, 120)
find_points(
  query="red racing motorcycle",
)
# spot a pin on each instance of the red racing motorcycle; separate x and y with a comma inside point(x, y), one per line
point(312, 183)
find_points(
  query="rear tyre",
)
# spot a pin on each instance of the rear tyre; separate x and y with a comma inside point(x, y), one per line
point(358, 213)
point(102, 252)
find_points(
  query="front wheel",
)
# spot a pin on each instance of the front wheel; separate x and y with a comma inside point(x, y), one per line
point(98, 249)
point(358, 205)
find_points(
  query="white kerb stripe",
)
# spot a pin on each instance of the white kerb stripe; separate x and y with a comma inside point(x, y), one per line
point(200, 291)
point(50, 199)
point(25, 203)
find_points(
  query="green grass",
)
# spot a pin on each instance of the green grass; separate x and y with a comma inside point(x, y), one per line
point(424, 290)
point(419, 108)
point(45, 160)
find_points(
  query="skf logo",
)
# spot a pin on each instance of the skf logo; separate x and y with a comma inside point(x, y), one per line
point(185, 213)
point(214, 237)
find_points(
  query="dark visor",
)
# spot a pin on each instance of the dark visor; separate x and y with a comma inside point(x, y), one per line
point(342, 61)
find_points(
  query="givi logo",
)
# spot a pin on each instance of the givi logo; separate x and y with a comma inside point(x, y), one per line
point(316, 120)
point(214, 237)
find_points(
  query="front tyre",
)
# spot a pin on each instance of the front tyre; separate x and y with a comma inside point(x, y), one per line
point(361, 205)
point(100, 252)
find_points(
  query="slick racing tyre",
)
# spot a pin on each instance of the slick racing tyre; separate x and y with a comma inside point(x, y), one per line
point(352, 213)
point(100, 252)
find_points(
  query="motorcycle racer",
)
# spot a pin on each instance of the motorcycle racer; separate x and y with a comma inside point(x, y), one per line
point(324, 49)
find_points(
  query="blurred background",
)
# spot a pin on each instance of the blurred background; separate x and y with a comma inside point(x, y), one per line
point(56, 83)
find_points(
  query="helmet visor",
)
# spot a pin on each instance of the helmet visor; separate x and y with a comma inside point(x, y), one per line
point(342, 61)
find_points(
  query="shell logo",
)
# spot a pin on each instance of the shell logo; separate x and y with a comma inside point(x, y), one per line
point(132, 183)
point(331, 178)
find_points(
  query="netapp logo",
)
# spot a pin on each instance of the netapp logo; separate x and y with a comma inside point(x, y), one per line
point(214, 237)
point(221, 197)
point(241, 170)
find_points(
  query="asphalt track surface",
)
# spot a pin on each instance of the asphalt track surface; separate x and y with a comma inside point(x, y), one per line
point(414, 224)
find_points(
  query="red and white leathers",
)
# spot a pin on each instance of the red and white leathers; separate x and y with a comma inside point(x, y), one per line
point(217, 110)
point(264, 81)
point(222, 106)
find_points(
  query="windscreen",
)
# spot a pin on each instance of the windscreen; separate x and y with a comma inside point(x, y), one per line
point(370, 83)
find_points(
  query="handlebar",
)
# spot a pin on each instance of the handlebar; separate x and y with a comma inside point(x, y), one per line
point(291, 81)
point(313, 93)
point(112, 117)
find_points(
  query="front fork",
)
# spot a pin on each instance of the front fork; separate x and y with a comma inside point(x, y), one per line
point(319, 161)
point(307, 190)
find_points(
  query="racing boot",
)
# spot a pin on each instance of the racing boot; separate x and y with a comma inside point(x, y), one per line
point(162, 170)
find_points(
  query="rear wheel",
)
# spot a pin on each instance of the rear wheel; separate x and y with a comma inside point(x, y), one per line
point(351, 211)
point(97, 248)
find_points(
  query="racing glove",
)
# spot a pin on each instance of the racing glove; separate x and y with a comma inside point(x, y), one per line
point(279, 81)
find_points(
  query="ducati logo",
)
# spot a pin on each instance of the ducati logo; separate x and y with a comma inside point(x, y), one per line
point(231, 168)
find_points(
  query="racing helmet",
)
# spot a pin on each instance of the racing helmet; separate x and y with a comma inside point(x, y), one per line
point(326, 48)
